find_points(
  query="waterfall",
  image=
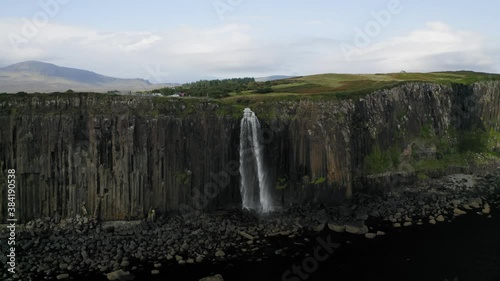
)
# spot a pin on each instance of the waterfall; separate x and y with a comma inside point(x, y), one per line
point(254, 186)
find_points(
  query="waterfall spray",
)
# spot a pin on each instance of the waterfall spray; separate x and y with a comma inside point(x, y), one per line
point(254, 185)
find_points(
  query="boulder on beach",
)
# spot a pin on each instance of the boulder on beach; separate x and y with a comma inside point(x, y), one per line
point(246, 235)
point(336, 228)
point(216, 277)
point(352, 229)
point(117, 275)
point(458, 212)
point(486, 209)
point(62, 276)
point(319, 227)
point(220, 254)
point(370, 235)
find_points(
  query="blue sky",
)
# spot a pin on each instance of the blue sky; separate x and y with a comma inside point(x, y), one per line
point(180, 41)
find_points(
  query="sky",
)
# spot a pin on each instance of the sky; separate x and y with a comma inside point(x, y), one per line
point(183, 41)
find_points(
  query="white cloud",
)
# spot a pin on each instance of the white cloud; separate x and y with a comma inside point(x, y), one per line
point(198, 51)
point(314, 22)
point(230, 50)
point(436, 47)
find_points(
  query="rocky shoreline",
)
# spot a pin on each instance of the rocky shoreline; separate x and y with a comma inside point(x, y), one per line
point(58, 249)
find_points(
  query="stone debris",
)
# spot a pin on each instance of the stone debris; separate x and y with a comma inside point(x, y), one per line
point(77, 244)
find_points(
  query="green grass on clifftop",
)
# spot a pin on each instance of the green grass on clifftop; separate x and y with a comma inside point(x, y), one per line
point(314, 87)
point(342, 86)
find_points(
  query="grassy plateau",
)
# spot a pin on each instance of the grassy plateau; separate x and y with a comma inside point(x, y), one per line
point(342, 86)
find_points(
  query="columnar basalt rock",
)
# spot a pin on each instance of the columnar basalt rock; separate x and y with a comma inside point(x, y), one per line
point(120, 155)
point(115, 155)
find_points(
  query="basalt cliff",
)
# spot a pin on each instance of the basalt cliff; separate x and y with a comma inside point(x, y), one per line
point(115, 157)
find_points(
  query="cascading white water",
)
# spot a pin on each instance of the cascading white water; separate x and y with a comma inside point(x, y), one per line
point(254, 186)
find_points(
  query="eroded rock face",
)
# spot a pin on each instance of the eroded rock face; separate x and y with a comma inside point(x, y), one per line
point(121, 155)
point(117, 155)
point(330, 140)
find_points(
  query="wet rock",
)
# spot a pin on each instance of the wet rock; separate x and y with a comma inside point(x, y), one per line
point(398, 216)
point(63, 266)
point(104, 268)
point(486, 209)
point(458, 212)
point(246, 235)
point(319, 227)
point(117, 275)
point(440, 218)
point(353, 229)
point(336, 228)
point(155, 272)
point(370, 235)
point(220, 254)
point(476, 203)
point(62, 276)
point(216, 277)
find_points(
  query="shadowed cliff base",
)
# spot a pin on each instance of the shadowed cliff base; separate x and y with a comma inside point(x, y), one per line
point(417, 233)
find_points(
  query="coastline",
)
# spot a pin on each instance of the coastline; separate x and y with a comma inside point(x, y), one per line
point(371, 233)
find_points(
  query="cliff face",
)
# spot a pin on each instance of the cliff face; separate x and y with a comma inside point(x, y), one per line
point(119, 155)
point(116, 156)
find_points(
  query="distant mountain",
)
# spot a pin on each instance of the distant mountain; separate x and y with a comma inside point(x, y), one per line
point(272, 78)
point(35, 76)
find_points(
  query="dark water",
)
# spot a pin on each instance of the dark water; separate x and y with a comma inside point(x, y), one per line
point(467, 249)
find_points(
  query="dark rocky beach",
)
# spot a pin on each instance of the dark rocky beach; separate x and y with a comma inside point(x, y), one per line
point(437, 229)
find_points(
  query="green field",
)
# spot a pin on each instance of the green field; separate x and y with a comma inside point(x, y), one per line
point(341, 86)
point(314, 87)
